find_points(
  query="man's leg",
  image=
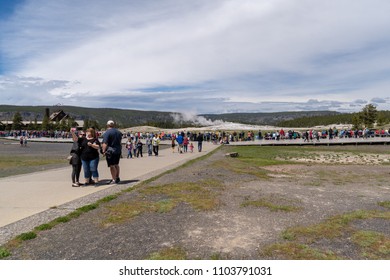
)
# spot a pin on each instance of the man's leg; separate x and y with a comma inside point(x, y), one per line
point(115, 170)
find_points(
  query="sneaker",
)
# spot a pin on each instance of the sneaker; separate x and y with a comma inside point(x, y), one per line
point(111, 182)
point(75, 185)
point(117, 180)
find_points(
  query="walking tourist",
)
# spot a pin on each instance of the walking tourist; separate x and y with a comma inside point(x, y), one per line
point(200, 141)
point(139, 148)
point(149, 145)
point(155, 144)
point(129, 147)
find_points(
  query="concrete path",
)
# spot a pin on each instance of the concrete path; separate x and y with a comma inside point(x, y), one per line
point(26, 195)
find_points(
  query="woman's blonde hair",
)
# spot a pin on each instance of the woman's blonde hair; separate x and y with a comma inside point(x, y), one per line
point(92, 131)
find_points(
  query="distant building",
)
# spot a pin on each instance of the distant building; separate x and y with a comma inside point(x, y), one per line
point(58, 116)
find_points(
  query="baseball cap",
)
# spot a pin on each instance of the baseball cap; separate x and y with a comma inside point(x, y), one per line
point(110, 123)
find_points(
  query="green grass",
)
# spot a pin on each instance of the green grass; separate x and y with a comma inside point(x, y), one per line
point(385, 204)
point(261, 156)
point(333, 227)
point(107, 198)
point(296, 251)
point(270, 205)
point(43, 227)
point(202, 196)
point(9, 161)
point(26, 236)
point(373, 245)
point(174, 253)
point(126, 211)
point(4, 253)
point(300, 241)
point(11, 165)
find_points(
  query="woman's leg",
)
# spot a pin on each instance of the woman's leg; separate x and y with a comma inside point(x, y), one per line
point(87, 170)
point(94, 169)
point(78, 171)
point(74, 173)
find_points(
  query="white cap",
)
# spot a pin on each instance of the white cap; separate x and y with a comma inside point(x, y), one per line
point(110, 123)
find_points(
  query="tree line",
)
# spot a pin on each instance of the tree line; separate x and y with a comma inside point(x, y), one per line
point(367, 117)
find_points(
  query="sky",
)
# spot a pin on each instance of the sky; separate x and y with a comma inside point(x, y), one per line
point(202, 56)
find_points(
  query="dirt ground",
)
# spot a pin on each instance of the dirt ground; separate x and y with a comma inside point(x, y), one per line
point(208, 210)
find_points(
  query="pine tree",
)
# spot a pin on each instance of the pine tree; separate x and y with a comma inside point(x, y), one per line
point(356, 121)
point(381, 119)
point(369, 115)
point(46, 123)
point(17, 121)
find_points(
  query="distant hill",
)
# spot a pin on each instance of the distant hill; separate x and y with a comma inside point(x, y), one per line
point(130, 118)
point(268, 118)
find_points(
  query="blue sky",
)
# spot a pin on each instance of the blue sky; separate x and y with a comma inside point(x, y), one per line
point(200, 56)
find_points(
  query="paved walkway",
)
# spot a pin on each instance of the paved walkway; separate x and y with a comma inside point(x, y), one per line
point(32, 199)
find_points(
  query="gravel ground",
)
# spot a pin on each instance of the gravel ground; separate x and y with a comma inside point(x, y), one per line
point(229, 230)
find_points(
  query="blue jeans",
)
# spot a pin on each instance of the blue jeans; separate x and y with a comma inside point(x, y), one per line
point(90, 167)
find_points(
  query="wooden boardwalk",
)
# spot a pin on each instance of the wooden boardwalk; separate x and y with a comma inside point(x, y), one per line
point(321, 142)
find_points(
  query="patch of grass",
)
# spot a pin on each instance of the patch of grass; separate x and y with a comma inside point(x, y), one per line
point(296, 251)
point(26, 236)
point(108, 198)
point(43, 227)
point(63, 219)
point(175, 253)
point(87, 208)
point(13, 165)
point(270, 205)
point(4, 253)
point(126, 211)
point(241, 167)
point(165, 205)
point(216, 257)
point(331, 228)
point(266, 155)
point(374, 245)
point(385, 204)
point(198, 195)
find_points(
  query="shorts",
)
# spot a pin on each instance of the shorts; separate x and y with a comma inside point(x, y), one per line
point(113, 160)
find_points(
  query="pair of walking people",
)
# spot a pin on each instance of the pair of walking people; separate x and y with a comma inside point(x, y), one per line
point(85, 153)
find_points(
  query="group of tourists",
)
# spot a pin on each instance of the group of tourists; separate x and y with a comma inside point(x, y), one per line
point(183, 143)
point(134, 146)
point(86, 150)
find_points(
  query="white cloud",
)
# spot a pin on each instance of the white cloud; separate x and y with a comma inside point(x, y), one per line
point(243, 52)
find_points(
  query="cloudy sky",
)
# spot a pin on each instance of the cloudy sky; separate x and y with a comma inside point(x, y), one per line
point(201, 56)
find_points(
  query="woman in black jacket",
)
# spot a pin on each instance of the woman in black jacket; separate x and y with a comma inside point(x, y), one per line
point(75, 160)
point(90, 147)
